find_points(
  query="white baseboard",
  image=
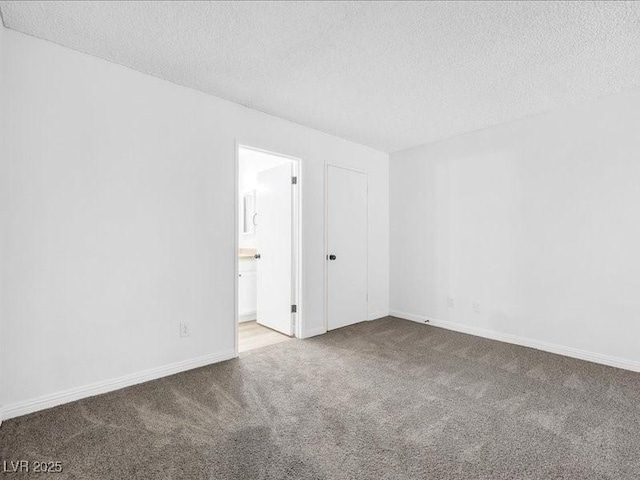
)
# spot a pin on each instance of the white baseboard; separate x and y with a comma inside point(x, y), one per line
point(249, 317)
point(378, 315)
point(525, 342)
point(313, 332)
point(73, 394)
point(409, 316)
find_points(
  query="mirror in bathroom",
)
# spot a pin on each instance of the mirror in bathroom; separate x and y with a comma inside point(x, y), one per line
point(249, 213)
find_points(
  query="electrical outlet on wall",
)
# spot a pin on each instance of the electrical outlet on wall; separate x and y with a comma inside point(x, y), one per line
point(476, 307)
point(451, 302)
point(185, 329)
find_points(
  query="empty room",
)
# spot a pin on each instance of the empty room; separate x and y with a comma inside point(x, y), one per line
point(320, 240)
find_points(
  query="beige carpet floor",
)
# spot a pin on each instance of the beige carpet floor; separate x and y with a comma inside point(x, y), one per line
point(389, 399)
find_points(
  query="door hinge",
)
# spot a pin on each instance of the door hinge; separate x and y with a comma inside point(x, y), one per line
point(294, 309)
point(294, 180)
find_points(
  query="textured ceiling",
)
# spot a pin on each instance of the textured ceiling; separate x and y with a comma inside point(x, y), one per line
point(385, 74)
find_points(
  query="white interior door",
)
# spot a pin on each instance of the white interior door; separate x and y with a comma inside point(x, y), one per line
point(274, 198)
point(347, 247)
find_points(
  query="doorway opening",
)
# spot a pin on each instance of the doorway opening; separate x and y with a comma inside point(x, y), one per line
point(268, 248)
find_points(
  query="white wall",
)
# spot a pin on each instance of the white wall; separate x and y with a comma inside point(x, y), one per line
point(537, 220)
point(118, 195)
point(3, 199)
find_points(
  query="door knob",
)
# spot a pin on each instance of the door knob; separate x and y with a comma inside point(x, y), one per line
point(257, 255)
point(332, 257)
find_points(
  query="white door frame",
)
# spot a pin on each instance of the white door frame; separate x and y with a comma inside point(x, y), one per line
point(326, 238)
point(297, 269)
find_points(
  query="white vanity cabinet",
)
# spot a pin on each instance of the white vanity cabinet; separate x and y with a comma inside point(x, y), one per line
point(247, 290)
